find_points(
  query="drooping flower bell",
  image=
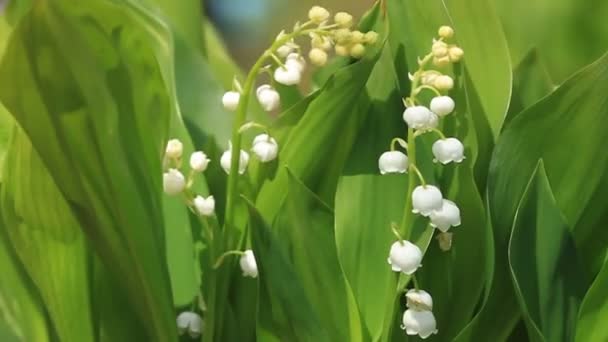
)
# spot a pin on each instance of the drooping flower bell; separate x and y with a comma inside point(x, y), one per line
point(393, 162)
point(287, 75)
point(404, 257)
point(248, 264)
point(204, 206)
point(191, 323)
point(419, 300)
point(442, 105)
point(265, 147)
point(447, 216)
point(199, 161)
point(421, 323)
point(426, 199)
point(448, 150)
point(173, 182)
point(418, 117)
point(296, 61)
point(226, 161)
point(230, 100)
point(268, 97)
point(174, 149)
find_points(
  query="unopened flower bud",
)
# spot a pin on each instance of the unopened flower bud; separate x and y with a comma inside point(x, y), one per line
point(426, 199)
point(420, 323)
point(357, 50)
point(320, 42)
point(445, 241)
point(268, 97)
point(445, 32)
point(444, 82)
point(248, 264)
point(342, 36)
point(455, 53)
point(371, 37)
point(191, 323)
point(173, 182)
point(231, 100)
point(405, 257)
point(342, 50)
point(318, 14)
point(428, 77)
point(317, 57)
point(199, 161)
point(442, 105)
point(419, 300)
point(226, 161)
point(204, 206)
point(439, 49)
point(343, 19)
point(174, 149)
point(393, 162)
point(284, 50)
point(441, 62)
point(448, 150)
point(265, 147)
point(357, 37)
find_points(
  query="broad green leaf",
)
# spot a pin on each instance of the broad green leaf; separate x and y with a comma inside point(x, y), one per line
point(48, 241)
point(591, 322)
point(486, 55)
point(87, 83)
point(292, 317)
point(545, 267)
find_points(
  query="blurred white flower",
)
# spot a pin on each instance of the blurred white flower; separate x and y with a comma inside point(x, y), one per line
point(288, 75)
point(296, 61)
point(173, 182)
point(191, 323)
point(442, 105)
point(204, 206)
point(225, 160)
point(248, 264)
point(421, 323)
point(426, 199)
point(174, 149)
point(268, 97)
point(445, 217)
point(199, 161)
point(419, 300)
point(230, 100)
point(448, 150)
point(265, 147)
point(393, 162)
point(404, 257)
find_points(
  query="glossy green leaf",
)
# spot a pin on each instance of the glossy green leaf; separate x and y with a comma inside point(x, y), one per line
point(292, 317)
point(47, 240)
point(88, 85)
point(545, 268)
point(591, 323)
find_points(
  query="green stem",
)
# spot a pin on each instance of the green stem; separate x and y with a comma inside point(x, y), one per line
point(401, 142)
point(433, 89)
point(418, 173)
point(220, 260)
point(415, 281)
point(407, 211)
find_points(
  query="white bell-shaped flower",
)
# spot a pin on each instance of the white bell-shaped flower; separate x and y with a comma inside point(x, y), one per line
point(421, 323)
point(404, 257)
point(191, 323)
point(447, 216)
point(268, 97)
point(426, 199)
point(173, 182)
point(230, 100)
point(265, 147)
point(419, 300)
point(295, 60)
point(226, 161)
point(417, 117)
point(442, 105)
point(287, 75)
point(199, 161)
point(393, 162)
point(204, 206)
point(448, 150)
point(174, 149)
point(432, 123)
point(248, 264)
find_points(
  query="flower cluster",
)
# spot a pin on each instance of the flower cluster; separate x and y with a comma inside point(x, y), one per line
point(426, 200)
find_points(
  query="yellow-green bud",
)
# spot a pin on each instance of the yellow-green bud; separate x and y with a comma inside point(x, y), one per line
point(441, 62)
point(371, 37)
point(320, 42)
point(446, 32)
point(317, 57)
point(342, 36)
point(455, 53)
point(318, 14)
point(439, 49)
point(343, 19)
point(357, 37)
point(342, 50)
point(428, 77)
point(444, 82)
point(357, 50)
